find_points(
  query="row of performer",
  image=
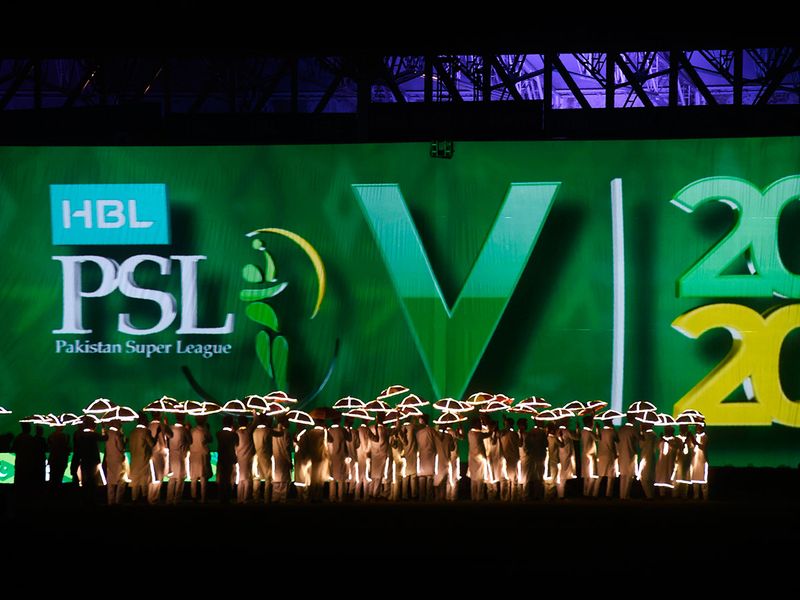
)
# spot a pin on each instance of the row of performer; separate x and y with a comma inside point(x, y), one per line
point(259, 459)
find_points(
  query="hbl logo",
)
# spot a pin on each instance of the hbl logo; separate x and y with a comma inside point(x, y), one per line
point(112, 213)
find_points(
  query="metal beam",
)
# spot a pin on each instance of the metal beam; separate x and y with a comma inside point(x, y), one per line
point(19, 79)
point(271, 86)
point(503, 74)
point(696, 79)
point(738, 79)
point(637, 87)
point(445, 78)
point(392, 83)
point(777, 77)
point(573, 87)
point(329, 92)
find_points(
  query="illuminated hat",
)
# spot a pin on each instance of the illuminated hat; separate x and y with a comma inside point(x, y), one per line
point(609, 415)
point(359, 413)
point(120, 413)
point(280, 397)
point(494, 406)
point(451, 405)
point(694, 413)
point(409, 411)
point(480, 398)
point(300, 417)
point(535, 402)
point(163, 404)
point(596, 404)
point(665, 420)
point(448, 418)
point(4, 411)
point(99, 407)
point(641, 407)
point(412, 400)
point(348, 403)
point(503, 398)
point(393, 390)
point(255, 402)
point(377, 406)
point(575, 406)
point(235, 406)
point(202, 409)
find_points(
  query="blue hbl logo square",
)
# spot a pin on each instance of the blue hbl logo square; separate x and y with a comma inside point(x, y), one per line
point(109, 213)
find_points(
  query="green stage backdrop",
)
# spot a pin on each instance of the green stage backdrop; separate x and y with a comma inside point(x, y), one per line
point(380, 265)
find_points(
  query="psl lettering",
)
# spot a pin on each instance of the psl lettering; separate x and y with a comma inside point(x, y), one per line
point(122, 277)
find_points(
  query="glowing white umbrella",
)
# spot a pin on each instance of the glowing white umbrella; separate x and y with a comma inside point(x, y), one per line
point(641, 407)
point(235, 407)
point(665, 420)
point(452, 405)
point(377, 406)
point(494, 406)
point(202, 409)
point(393, 416)
point(68, 418)
point(480, 398)
point(523, 408)
point(609, 415)
point(274, 408)
point(689, 419)
point(359, 413)
point(36, 420)
point(409, 411)
point(503, 398)
point(575, 406)
point(535, 402)
point(4, 411)
point(649, 418)
point(165, 404)
point(99, 407)
point(120, 413)
point(257, 403)
point(412, 401)
point(348, 403)
point(448, 418)
point(596, 404)
point(300, 417)
point(393, 390)
point(279, 397)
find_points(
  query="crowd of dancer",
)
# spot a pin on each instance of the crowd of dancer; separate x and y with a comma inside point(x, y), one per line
point(261, 457)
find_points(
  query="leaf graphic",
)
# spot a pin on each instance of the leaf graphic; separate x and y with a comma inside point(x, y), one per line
point(280, 361)
point(252, 274)
point(270, 266)
point(262, 351)
point(251, 295)
point(257, 244)
point(262, 314)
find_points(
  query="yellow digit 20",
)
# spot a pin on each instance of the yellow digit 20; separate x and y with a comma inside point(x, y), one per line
point(752, 361)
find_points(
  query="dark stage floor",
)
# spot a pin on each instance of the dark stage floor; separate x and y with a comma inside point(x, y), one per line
point(748, 528)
